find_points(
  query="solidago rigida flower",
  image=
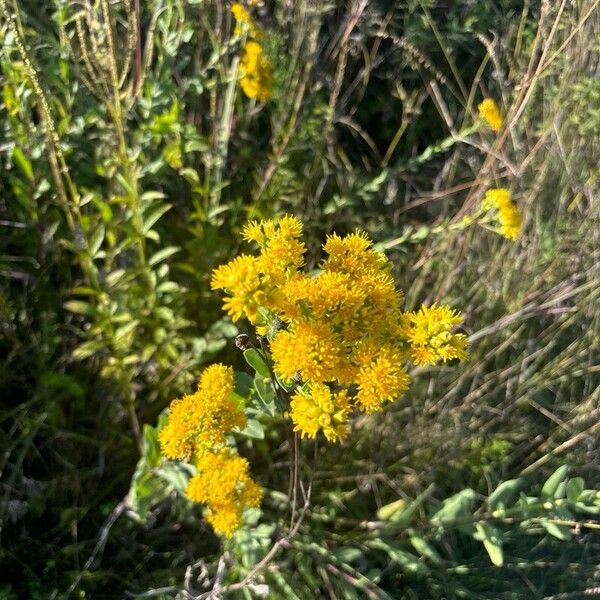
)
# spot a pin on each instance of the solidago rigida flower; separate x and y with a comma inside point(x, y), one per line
point(498, 200)
point(255, 68)
point(490, 113)
point(224, 485)
point(339, 336)
point(197, 430)
point(429, 332)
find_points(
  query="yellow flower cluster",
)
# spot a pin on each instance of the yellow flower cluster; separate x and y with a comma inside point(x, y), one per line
point(256, 78)
point(490, 113)
point(429, 332)
point(506, 211)
point(197, 427)
point(224, 485)
point(340, 332)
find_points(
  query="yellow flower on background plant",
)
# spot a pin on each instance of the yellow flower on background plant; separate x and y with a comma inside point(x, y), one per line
point(255, 70)
point(429, 331)
point(244, 20)
point(498, 200)
point(490, 113)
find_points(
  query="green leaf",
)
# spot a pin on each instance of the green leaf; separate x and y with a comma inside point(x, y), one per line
point(407, 561)
point(22, 162)
point(552, 483)
point(154, 216)
point(255, 360)
point(176, 474)
point(163, 255)
point(560, 532)
point(403, 518)
point(574, 488)
point(455, 507)
point(387, 512)
point(492, 541)
point(243, 385)
point(266, 394)
point(87, 349)
point(425, 549)
point(80, 307)
point(504, 494)
point(96, 240)
point(254, 429)
point(150, 446)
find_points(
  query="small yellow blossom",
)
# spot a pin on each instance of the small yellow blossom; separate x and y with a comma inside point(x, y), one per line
point(490, 113)
point(245, 20)
point(318, 408)
point(310, 350)
point(381, 377)
point(499, 200)
point(224, 485)
point(204, 418)
point(430, 337)
point(255, 70)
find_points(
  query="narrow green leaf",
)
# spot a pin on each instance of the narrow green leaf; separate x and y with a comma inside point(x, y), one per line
point(87, 349)
point(80, 307)
point(456, 506)
point(163, 255)
point(154, 216)
point(404, 517)
point(552, 483)
point(22, 162)
point(255, 360)
point(574, 488)
point(559, 531)
point(425, 549)
point(504, 494)
point(254, 429)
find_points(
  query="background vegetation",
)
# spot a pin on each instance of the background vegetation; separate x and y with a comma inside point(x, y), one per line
point(130, 159)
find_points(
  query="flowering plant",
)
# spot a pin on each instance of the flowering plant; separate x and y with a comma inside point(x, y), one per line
point(329, 343)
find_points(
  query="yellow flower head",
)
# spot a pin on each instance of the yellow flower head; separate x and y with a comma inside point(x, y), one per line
point(341, 327)
point(204, 418)
point(352, 254)
point(255, 70)
point(240, 278)
point(176, 437)
point(245, 21)
point(310, 350)
point(224, 485)
point(381, 377)
point(430, 337)
point(319, 409)
point(490, 113)
point(499, 200)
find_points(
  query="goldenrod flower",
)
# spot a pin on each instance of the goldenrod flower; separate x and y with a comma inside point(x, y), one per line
point(381, 377)
point(204, 418)
point(341, 328)
point(499, 200)
point(430, 337)
point(490, 113)
point(255, 69)
point(310, 350)
point(224, 485)
point(245, 20)
point(318, 408)
point(352, 254)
